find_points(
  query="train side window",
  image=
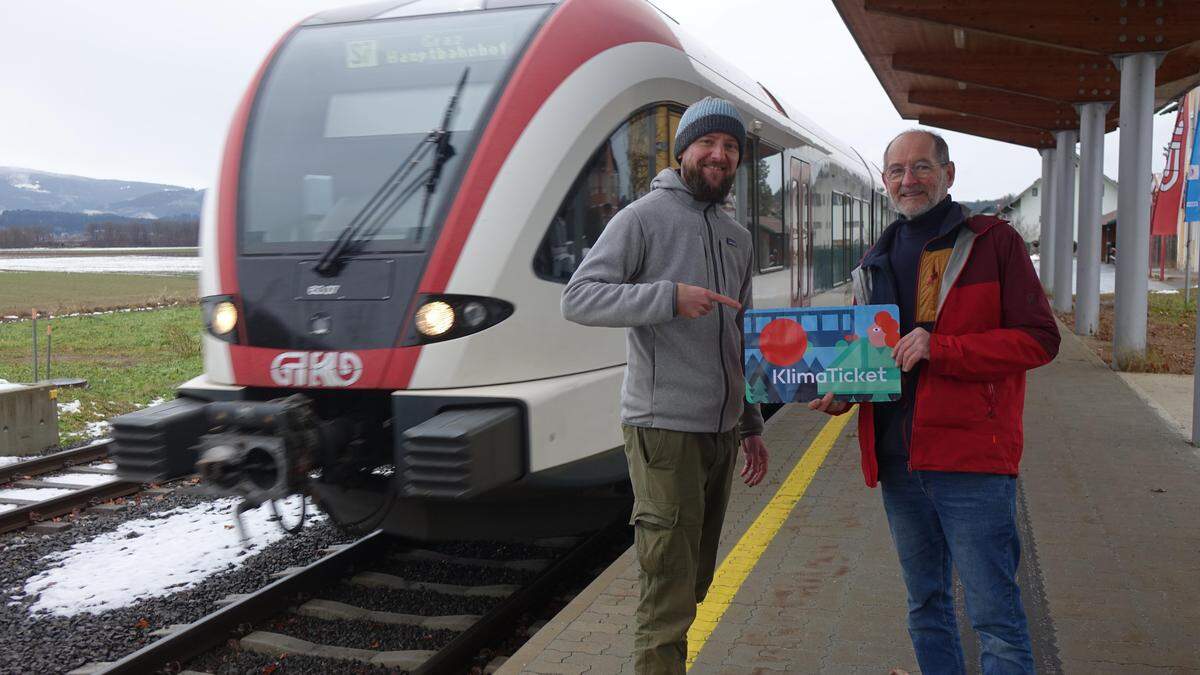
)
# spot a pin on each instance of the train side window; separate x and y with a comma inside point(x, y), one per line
point(618, 173)
point(738, 207)
point(838, 238)
point(769, 233)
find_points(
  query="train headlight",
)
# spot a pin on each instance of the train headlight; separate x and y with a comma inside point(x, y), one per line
point(449, 317)
point(221, 317)
point(225, 318)
point(435, 318)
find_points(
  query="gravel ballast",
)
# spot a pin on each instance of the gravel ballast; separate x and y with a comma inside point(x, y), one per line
point(45, 643)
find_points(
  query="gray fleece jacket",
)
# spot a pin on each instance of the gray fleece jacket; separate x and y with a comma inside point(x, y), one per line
point(683, 374)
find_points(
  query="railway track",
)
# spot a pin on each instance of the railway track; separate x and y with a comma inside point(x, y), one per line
point(86, 485)
point(244, 622)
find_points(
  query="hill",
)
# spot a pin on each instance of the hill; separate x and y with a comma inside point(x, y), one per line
point(33, 190)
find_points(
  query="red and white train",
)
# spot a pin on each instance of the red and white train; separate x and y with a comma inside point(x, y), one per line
point(405, 189)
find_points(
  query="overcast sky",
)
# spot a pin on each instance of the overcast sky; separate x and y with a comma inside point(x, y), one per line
point(144, 89)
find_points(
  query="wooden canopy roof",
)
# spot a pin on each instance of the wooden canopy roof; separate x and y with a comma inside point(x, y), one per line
point(1013, 70)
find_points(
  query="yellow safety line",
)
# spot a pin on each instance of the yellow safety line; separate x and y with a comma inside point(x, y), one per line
point(741, 560)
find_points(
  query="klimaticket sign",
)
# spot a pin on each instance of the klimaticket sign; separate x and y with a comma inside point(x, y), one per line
point(796, 354)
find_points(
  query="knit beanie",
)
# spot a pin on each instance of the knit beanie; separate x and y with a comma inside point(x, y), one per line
point(708, 115)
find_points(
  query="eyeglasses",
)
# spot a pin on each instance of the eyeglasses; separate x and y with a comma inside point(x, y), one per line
point(920, 171)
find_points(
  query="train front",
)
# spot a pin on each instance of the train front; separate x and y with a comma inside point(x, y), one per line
point(340, 169)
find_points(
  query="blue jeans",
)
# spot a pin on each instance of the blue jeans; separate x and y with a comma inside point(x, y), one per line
point(969, 519)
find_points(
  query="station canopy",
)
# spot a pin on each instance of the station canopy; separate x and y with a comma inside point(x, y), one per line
point(1013, 71)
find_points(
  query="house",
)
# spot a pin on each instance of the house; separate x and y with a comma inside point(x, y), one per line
point(1025, 210)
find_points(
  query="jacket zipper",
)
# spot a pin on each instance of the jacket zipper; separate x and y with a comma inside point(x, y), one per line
point(936, 319)
point(720, 319)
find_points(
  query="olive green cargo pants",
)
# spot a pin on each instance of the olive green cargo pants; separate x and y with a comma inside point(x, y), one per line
point(680, 487)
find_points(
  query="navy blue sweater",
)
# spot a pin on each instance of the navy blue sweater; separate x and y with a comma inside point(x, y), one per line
point(891, 436)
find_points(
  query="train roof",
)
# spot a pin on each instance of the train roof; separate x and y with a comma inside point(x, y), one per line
point(780, 114)
point(386, 9)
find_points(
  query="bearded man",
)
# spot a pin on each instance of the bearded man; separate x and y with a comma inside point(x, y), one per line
point(668, 267)
point(973, 319)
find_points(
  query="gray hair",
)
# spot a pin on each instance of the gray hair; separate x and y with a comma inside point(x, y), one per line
point(941, 151)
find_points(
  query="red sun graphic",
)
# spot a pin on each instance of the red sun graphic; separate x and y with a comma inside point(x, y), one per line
point(783, 342)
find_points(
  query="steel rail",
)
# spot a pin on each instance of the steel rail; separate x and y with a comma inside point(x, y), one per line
point(56, 461)
point(173, 651)
point(213, 629)
point(30, 514)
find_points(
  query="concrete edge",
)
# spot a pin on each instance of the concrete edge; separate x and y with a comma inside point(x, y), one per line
point(542, 639)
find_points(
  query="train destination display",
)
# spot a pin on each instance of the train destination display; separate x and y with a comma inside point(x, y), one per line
point(796, 354)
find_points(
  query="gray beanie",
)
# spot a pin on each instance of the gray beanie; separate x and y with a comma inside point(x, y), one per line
point(708, 115)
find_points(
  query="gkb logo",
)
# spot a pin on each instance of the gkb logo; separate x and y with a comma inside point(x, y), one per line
point(316, 369)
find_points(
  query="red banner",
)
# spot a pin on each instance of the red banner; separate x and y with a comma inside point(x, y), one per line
point(1168, 193)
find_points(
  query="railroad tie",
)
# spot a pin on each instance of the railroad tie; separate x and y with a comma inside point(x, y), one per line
point(381, 580)
point(332, 610)
point(425, 555)
point(274, 644)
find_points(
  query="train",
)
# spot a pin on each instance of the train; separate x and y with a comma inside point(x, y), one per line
point(405, 189)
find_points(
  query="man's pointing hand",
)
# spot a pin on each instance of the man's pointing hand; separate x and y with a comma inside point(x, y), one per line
point(693, 302)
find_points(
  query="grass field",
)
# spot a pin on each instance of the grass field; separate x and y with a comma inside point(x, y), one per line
point(63, 293)
point(1170, 334)
point(128, 358)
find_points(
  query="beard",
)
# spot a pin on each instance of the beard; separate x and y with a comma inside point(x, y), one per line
point(693, 178)
point(935, 197)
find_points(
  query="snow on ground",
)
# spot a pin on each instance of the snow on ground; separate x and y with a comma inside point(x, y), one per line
point(151, 557)
point(1108, 277)
point(69, 407)
point(34, 494)
point(82, 479)
point(95, 429)
point(134, 264)
point(12, 459)
point(114, 249)
point(8, 507)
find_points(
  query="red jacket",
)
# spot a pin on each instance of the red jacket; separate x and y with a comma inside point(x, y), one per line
point(990, 323)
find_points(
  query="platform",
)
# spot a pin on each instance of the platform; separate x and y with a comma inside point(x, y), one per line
point(1109, 503)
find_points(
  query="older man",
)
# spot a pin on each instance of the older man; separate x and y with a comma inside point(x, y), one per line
point(973, 319)
point(666, 267)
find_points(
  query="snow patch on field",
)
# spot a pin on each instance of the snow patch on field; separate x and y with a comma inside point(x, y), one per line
point(69, 407)
point(95, 429)
point(129, 264)
point(170, 552)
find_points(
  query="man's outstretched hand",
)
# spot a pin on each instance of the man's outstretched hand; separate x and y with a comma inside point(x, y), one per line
point(755, 467)
point(693, 302)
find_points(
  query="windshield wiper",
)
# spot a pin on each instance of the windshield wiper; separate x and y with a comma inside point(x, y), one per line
point(396, 191)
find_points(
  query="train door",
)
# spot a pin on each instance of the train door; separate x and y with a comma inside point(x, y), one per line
point(800, 227)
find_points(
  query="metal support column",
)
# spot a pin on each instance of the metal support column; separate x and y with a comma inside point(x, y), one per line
point(1064, 219)
point(1091, 195)
point(1046, 237)
point(1133, 206)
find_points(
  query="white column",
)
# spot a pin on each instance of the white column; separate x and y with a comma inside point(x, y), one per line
point(1133, 206)
point(1091, 195)
point(1046, 238)
point(1064, 218)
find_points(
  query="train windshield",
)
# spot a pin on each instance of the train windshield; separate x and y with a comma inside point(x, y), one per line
point(345, 104)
